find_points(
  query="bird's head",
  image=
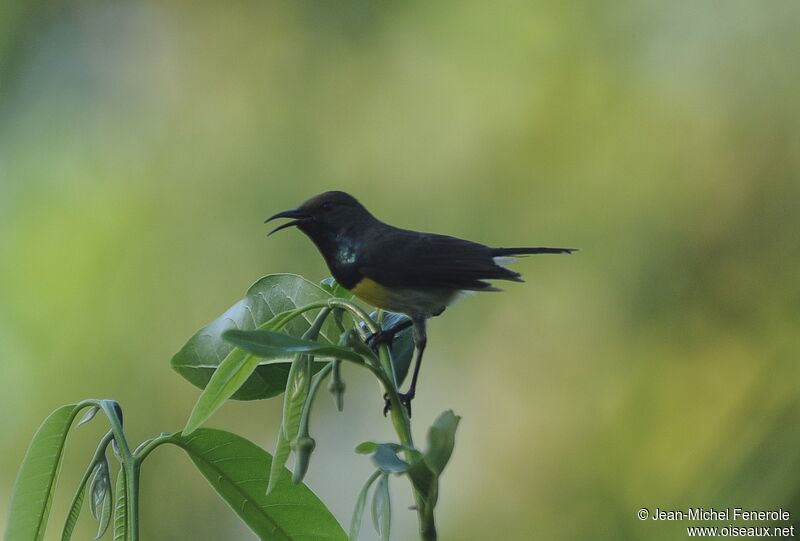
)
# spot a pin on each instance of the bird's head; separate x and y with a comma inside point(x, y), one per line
point(329, 213)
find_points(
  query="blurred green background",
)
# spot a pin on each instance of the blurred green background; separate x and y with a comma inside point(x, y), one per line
point(142, 143)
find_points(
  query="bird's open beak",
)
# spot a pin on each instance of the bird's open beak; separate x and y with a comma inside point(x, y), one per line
point(299, 217)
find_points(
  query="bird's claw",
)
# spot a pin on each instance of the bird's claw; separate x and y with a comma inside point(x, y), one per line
point(405, 400)
point(375, 339)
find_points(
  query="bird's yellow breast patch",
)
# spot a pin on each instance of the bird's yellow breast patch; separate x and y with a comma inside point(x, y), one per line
point(419, 302)
point(373, 292)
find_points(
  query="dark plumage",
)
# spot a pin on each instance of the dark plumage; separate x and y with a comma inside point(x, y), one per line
point(400, 270)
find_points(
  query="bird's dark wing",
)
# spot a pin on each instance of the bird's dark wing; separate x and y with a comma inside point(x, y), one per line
point(400, 258)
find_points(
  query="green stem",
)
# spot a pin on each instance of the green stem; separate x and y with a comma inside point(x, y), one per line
point(151, 445)
point(313, 331)
point(386, 360)
point(315, 383)
point(281, 320)
point(132, 471)
point(356, 310)
point(130, 464)
point(402, 425)
point(400, 419)
point(386, 375)
point(311, 334)
point(98, 456)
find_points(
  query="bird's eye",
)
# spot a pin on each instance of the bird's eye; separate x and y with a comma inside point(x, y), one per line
point(327, 206)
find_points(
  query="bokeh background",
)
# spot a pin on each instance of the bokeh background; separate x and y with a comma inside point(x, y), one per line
point(143, 142)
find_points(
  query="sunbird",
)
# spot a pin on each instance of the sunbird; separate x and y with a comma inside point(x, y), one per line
point(413, 273)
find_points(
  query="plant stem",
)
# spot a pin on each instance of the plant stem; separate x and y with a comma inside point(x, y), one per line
point(150, 446)
point(315, 383)
point(130, 464)
point(386, 375)
point(400, 419)
point(132, 471)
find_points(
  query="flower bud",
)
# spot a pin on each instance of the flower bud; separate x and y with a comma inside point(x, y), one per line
point(336, 385)
point(303, 446)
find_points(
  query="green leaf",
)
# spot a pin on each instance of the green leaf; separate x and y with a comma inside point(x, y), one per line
point(361, 501)
point(36, 480)
point(424, 480)
point(384, 455)
point(366, 447)
point(333, 287)
point(293, 401)
point(234, 371)
point(89, 415)
point(441, 440)
point(424, 472)
point(105, 516)
point(386, 459)
point(275, 345)
point(271, 295)
point(228, 378)
point(99, 488)
point(283, 447)
point(74, 510)
point(236, 468)
point(382, 508)
point(120, 508)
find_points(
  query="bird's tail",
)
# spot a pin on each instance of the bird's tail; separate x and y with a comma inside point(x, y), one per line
point(500, 252)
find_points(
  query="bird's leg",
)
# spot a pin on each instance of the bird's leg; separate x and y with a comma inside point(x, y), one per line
point(420, 341)
point(385, 336)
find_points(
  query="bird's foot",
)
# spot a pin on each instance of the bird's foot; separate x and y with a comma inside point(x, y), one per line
point(405, 400)
point(375, 339)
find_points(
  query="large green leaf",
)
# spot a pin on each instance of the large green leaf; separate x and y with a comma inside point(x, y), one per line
point(234, 370)
point(237, 469)
point(231, 374)
point(33, 490)
point(333, 287)
point(204, 352)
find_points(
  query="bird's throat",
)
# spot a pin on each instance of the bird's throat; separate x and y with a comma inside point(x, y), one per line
point(341, 255)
